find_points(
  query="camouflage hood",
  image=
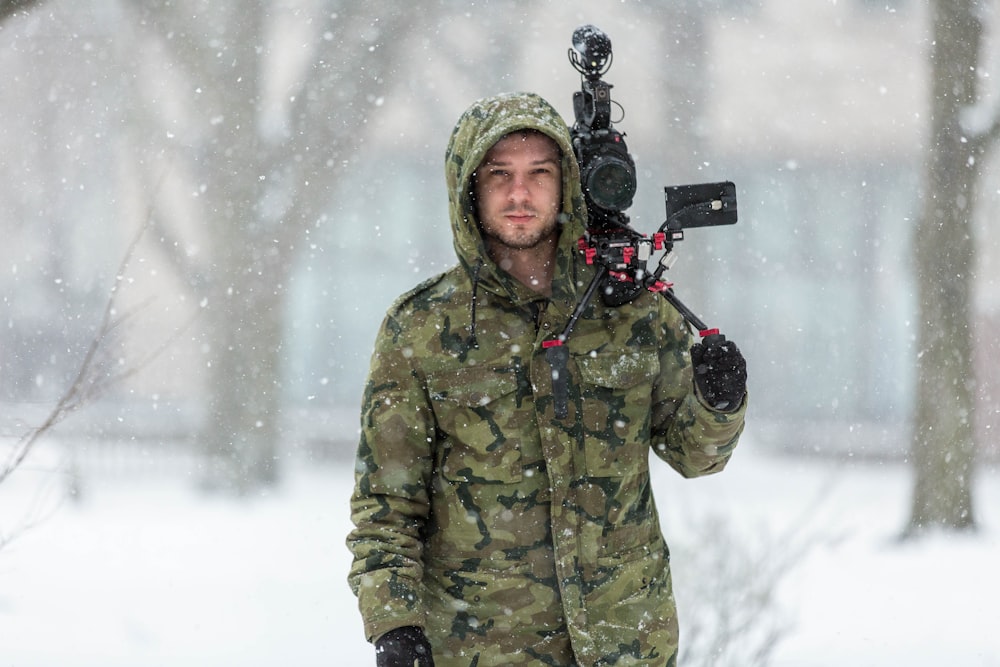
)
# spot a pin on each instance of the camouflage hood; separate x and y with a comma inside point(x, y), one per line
point(480, 127)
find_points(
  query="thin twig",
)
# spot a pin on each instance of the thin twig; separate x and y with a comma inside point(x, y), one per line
point(85, 387)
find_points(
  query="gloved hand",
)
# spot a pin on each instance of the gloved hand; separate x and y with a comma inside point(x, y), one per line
point(403, 647)
point(720, 372)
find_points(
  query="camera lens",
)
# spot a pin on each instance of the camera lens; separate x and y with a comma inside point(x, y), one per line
point(610, 182)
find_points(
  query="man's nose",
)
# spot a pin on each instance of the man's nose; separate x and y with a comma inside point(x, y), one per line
point(519, 190)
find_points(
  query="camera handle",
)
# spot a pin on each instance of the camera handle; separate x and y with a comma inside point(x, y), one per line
point(708, 336)
point(557, 354)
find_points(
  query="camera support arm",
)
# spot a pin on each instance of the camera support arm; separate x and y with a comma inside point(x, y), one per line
point(557, 354)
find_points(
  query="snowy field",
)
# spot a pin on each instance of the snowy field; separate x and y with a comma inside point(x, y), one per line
point(149, 572)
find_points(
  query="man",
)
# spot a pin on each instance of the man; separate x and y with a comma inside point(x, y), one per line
point(489, 531)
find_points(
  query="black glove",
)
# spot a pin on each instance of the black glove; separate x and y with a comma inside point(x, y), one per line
point(403, 647)
point(720, 372)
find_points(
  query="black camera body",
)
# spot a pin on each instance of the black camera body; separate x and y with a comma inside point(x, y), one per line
point(608, 179)
point(607, 171)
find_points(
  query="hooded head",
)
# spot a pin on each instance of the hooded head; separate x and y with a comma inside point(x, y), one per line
point(479, 128)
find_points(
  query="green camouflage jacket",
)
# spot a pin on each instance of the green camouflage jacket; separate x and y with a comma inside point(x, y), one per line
point(513, 536)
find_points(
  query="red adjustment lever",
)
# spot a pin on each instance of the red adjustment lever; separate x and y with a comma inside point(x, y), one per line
point(705, 333)
point(660, 286)
point(620, 275)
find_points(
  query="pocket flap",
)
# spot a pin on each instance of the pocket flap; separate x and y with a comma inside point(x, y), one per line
point(618, 371)
point(473, 386)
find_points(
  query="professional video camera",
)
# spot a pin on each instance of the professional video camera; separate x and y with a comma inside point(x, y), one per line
point(607, 175)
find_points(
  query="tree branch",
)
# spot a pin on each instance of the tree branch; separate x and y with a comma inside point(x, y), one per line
point(10, 8)
point(81, 389)
point(88, 385)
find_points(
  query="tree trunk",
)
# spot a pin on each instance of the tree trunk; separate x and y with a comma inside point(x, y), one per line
point(943, 438)
point(265, 190)
point(240, 437)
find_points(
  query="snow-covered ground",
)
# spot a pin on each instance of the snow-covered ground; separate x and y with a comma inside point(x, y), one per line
point(148, 571)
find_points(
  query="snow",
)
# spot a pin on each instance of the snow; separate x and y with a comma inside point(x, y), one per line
point(860, 596)
point(148, 571)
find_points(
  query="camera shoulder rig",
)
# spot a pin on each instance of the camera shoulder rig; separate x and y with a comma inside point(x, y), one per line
point(620, 254)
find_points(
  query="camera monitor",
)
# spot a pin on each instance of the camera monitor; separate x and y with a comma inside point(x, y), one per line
point(701, 205)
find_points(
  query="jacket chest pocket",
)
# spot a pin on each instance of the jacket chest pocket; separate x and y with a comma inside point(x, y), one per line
point(477, 416)
point(616, 396)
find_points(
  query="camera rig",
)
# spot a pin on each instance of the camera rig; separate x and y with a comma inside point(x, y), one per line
point(620, 254)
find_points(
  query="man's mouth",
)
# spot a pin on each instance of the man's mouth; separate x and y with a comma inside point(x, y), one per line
point(519, 217)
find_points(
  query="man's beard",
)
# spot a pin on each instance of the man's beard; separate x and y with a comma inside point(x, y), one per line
point(519, 238)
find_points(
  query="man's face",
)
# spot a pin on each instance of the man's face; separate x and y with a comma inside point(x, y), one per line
point(518, 188)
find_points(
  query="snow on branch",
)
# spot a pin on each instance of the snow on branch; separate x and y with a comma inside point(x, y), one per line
point(981, 122)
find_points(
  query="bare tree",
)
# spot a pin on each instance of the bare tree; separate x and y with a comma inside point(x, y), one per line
point(267, 178)
point(99, 372)
point(943, 441)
